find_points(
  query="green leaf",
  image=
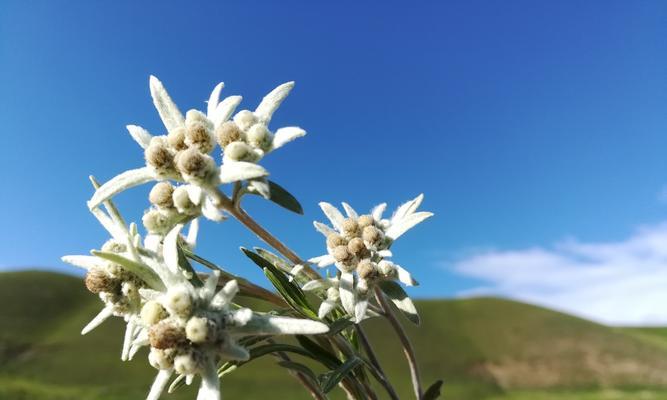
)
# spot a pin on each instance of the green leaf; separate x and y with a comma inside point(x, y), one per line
point(401, 300)
point(185, 264)
point(433, 391)
point(330, 379)
point(324, 356)
point(298, 367)
point(290, 291)
point(144, 272)
point(274, 259)
point(339, 325)
point(284, 198)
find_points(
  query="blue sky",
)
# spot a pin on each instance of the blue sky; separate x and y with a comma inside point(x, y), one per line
point(526, 124)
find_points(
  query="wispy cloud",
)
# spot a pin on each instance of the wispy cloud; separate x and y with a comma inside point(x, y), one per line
point(618, 283)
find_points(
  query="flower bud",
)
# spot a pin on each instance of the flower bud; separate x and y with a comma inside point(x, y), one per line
point(260, 137)
point(386, 268)
point(179, 302)
point(366, 269)
point(160, 195)
point(98, 281)
point(335, 240)
point(152, 312)
point(166, 335)
point(227, 133)
point(197, 329)
point(195, 166)
point(245, 119)
point(356, 246)
point(182, 201)
point(112, 246)
point(351, 227)
point(341, 254)
point(333, 294)
point(371, 235)
point(198, 131)
point(158, 156)
point(176, 139)
point(240, 151)
point(161, 359)
point(365, 220)
point(188, 363)
point(156, 222)
point(193, 117)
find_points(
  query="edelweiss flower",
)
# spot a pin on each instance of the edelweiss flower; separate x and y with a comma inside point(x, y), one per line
point(359, 247)
point(248, 138)
point(183, 154)
point(191, 329)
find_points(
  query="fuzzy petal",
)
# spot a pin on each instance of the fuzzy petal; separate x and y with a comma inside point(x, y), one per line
point(140, 135)
point(260, 186)
point(322, 261)
point(127, 340)
point(214, 99)
point(401, 226)
point(225, 109)
point(334, 215)
point(407, 208)
point(272, 101)
point(360, 309)
point(99, 318)
point(351, 213)
point(323, 229)
point(314, 285)
point(325, 308)
point(404, 276)
point(159, 384)
point(233, 171)
point(378, 210)
point(169, 113)
point(193, 231)
point(234, 351)
point(170, 249)
point(211, 212)
point(347, 293)
point(210, 383)
point(286, 135)
point(108, 224)
point(85, 262)
point(207, 292)
point(117, 184)
point(226, 294)
point(273, 325)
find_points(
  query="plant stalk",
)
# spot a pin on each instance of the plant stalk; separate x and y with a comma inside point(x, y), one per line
point(382, 378)
point(408, 350)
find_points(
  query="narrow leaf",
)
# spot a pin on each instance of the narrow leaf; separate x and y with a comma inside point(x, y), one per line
point(139, 269)
point(329, 380)
point(397, 295)
point(284, 198)
point(433, 391)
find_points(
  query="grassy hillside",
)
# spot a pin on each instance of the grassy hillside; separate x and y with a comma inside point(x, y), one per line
point(484, 349)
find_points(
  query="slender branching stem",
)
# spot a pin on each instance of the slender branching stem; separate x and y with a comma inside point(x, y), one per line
point(310, 386)
point(405, 342)
point(382, 378)
point(228, 205)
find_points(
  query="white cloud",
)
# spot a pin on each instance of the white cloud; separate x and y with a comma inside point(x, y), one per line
point(617, 283)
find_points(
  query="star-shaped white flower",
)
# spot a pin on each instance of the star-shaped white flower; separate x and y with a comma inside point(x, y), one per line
point(358, 245)
point(191, 329)
point(182, 154)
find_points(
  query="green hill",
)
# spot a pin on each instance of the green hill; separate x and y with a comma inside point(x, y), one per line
point(484, 348)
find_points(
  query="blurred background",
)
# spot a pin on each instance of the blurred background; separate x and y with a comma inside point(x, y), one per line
point(536, 130)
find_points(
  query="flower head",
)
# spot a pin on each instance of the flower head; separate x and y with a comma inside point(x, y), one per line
point(183, 153)
point(358, 245)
